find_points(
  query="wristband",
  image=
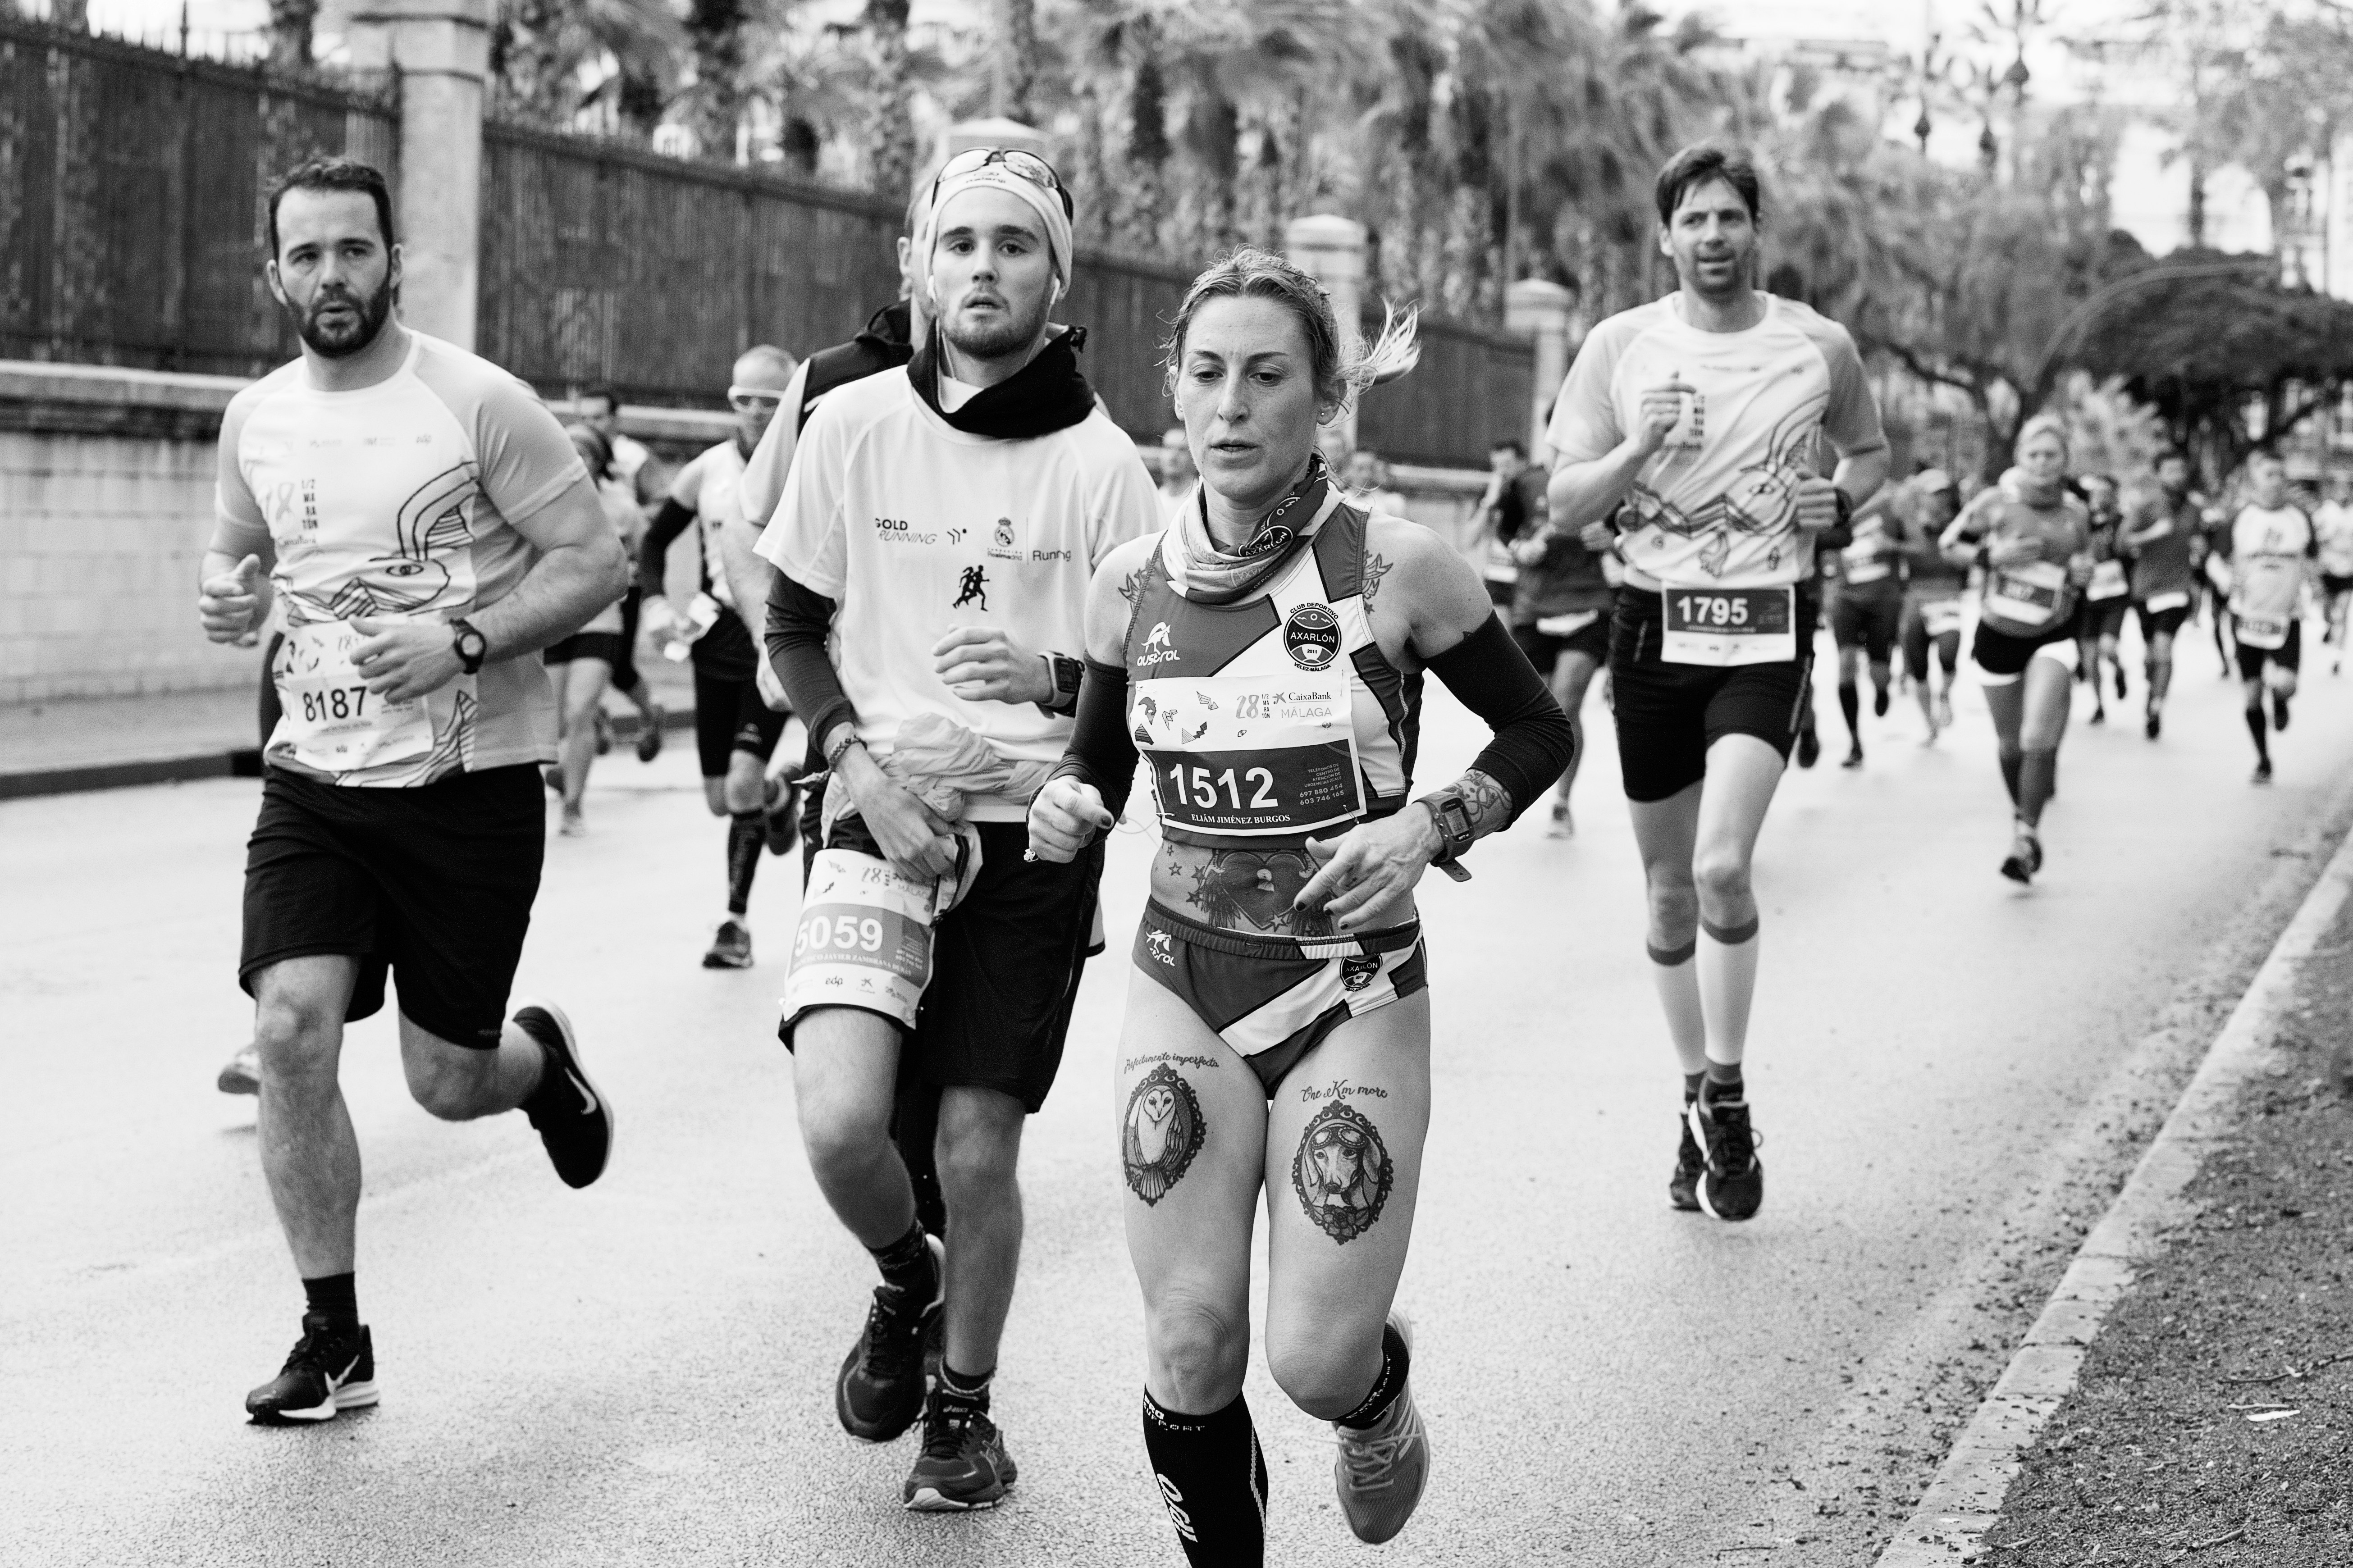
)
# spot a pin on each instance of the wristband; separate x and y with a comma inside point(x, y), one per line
point(839, 749)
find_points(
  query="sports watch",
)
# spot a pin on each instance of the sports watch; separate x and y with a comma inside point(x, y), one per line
point(1454, 828)
point(472, 644)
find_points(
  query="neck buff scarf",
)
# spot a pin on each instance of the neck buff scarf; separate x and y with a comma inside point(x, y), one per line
point(1206, 574)
point(1049, 394)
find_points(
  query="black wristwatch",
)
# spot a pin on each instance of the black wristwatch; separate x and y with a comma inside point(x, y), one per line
point(472, 644)
point(1066, 673)
point(1455, 831)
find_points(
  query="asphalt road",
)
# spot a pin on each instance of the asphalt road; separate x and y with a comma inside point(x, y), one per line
point(642, 1372)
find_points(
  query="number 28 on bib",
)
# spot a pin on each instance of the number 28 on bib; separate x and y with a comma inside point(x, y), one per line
point(1254, 755)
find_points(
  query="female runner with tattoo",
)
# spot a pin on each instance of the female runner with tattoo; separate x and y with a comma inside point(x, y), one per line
point(1266, 654)
point(2033, 539)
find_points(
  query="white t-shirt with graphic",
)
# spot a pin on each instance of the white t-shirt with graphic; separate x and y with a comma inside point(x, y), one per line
point(2333, 523)
point(912, 528)
point(2269, 546)
point(1716, 506)
point(393, 502)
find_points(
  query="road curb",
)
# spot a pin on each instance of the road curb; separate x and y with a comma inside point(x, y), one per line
point(1964, 1501)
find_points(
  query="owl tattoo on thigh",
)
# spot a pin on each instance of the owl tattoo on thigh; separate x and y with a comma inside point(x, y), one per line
point(1160, 1133)
point(1341, 1173)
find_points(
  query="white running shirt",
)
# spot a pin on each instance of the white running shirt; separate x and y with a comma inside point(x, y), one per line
point(2333, 523)
point(2268, 549)
point(1718, 504)
point(914, 527)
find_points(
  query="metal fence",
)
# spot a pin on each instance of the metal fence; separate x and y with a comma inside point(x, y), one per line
point(131, 186)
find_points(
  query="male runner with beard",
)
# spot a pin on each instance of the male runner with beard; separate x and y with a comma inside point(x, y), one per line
point(425, 529)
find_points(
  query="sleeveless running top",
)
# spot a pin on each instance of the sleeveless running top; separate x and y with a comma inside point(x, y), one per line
point(1276, 720)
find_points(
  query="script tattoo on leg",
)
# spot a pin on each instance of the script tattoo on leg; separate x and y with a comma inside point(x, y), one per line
point(1160, 1134)
point(1342, 1172)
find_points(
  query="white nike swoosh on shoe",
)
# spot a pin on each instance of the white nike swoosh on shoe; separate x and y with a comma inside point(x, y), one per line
point(585, 1092)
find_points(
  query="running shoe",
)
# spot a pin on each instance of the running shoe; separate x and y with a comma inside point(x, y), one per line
point(1853, 756)
point(1682, 1187)
point(2263, 772)
point(1944, 711)
point(330, 1369)
point(1382, 1468)
point(783, 811)
point(1563, 825)
point(1809, 745)
point(1879, 703)
point(2121, 692)
point(242, 1074)
point(2025, 857)
point(732, 948)
point(2099, 715)
point(649, 731)
point(880, 1391)
point(574, 824)
point(2279, 711)
point(2155, 726)
point(1732, 1180)
point(964, 1465)
point(604, 731)
point(577, 1125)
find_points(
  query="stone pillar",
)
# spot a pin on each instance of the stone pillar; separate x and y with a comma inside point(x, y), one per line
point(1545, 312)
point(1330, 249)
point(440, 52)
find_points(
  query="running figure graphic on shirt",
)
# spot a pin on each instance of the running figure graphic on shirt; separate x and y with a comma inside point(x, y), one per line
point(973, 585)
point(1761, 499)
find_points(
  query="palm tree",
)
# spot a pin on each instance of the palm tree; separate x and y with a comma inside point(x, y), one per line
point(890, 123)
point(715, 31)
point(290, 33)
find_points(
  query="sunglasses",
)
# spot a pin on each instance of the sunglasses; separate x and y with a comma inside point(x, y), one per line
point(744, 399)
point(1025, 166)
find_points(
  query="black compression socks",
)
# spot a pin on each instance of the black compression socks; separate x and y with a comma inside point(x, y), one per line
point(907, 1263)
point(2009, 773)
point(336, 1296)
point(746, 832)
point(1396, 1361)
point(2038, 774)
point(2255, 728)
point(1212, 1479)
point(1851, 709)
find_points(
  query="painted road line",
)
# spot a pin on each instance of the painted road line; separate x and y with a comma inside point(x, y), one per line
point(1962, 1504)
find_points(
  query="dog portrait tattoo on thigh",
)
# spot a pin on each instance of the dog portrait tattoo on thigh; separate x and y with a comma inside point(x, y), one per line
point(1341, 1173)
point(1160, 1134)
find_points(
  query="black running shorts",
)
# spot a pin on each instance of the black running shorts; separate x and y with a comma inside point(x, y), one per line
point(2165, 623)
point(434, 884)
point(2103, 618)
point(605, 646)
point(2289, 656)
point(731, 716)
point(1543, 649)
point(2331, 584)
point(2001, 655)
point(1005, 969)
point(1870, 621)
point(1670, 714)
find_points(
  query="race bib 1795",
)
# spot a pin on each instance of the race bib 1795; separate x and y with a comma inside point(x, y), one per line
point(1727, 626)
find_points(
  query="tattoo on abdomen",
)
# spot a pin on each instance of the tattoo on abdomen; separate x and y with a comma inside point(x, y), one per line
point(1341, 1173)
point(1254, 886)
point(1160, 1134)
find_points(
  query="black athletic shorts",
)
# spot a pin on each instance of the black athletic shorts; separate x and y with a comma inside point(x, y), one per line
point(1670, 714)
point(2103, 618)
point(2289, 656)
point(731, 716)
point(1915, 640)
point(605, 646)
point(2154, 624)
point(2001, 655)
point(2332, 585)
point(1870, 621)
point(1543, 649)
point(1005, 969)
point(434, 884)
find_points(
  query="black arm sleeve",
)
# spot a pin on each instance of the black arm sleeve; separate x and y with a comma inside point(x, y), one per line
point(653, 555)
point(1533, 743)
point(798, 622)
point(1102, 752)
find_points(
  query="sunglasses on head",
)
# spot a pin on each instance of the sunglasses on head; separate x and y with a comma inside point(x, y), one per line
point(1027, 165)
point(744, 399)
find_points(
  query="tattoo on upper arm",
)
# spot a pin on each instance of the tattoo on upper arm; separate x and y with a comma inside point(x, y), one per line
point(1341, 1173)
point(1488, 802)
point(1133, 588)
point(1376, 568)
point(1161, 1132)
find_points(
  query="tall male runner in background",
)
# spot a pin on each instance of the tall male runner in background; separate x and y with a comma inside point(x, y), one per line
point(736, 728)
point(2161, 542)
point(1931, 597)
point(1703, 408)
point(427, 529)
point(2273, 548)
point(933, 552)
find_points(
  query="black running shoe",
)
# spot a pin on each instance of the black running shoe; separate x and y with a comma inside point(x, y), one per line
point(2025, 857)
point(2279, 711)
point(2099, 715)
point(2263, 772)
point(241, 1074)
point(330, 1371)
point(964, 1464)
point(1879, 703)
point(1853, 756)
point(731, 948)
point(2156, 725)
point(1682, 1187)
point(1732, 1178)
point(575, 1123)
point(650, 724)
point(2121, 692)
point(880, 1391)
point(1809, 745)
point(782, 811)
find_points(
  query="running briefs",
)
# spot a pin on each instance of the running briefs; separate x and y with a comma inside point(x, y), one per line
point(1670, 714)
point(433, 883)
point(2289, 656)
point(1275, 999)
point(729, 716)
point(2165, 622)
point(2003, 657)
point(1005, 967)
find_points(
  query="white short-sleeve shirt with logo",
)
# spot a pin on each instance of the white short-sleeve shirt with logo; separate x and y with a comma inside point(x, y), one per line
point(914, 527)
point(394, 503)
point(2269, 546)
point(1716, 506)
